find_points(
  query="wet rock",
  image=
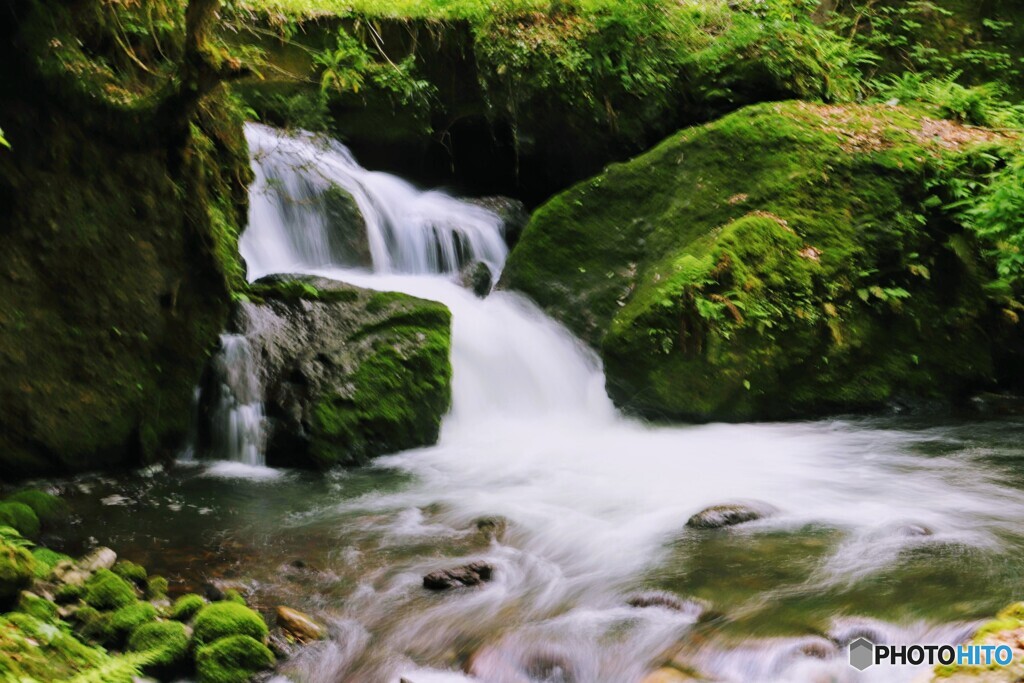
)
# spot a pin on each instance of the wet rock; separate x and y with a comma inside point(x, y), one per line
point(472, 574)
point(914, 530)
point(666, 674)
point(298, 625)
point(817, 648)
point(719, 516)
point(998, 404)
point(668, 601)
point(477, 278)
point(212, 592)
point(551, 665)
point(101, 558)
point(492, 528)
point(346, 374)
point(512, 212)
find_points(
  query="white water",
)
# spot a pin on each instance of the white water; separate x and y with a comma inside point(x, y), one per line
point(238, 427)
point(593, 499)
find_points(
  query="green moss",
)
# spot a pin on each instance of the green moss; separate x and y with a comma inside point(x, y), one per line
point(812, 273)
point(130, 617)
point(17, 568)
point(232, 660)
point(69, 593)
point(167, 639)
point(223, 619)
point(232, 595)
point(129, 571)
point(156, 587)
point(20, 517)
point(46, 560)
point(48, 508)
point(40, 608)
point(96, 627)
point(187, 606)
point(106, 590)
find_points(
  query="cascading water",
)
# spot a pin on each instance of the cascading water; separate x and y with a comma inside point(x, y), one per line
point(236, 423)
point(595, 503)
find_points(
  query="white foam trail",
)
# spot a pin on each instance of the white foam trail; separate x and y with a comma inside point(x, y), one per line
point(238, 424)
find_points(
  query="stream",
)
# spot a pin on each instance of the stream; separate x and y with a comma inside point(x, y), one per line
point(902, 529)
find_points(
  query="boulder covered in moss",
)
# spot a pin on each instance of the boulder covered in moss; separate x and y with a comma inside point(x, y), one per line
point(223, 619)
point(788, 259)
point(16, 571)
point(19, 517)
point(234, 659)
point(346, 373)
point(120, 219)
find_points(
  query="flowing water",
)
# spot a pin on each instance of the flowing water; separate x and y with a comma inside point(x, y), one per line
point(904, 531)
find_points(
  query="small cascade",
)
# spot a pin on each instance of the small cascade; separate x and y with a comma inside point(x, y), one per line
point(234, 407)
point(293, 221)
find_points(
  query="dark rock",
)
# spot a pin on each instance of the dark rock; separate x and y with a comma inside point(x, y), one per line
point(998, 404)
point(512, 212)
point(720, 516)
point(212, 592)
point(472, 574)
point(477, 278)
point(347, 374)
point(667, 601)
point(492, 527)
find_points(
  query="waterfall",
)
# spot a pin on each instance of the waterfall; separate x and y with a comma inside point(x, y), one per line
point(406, 230)
point(236, 423)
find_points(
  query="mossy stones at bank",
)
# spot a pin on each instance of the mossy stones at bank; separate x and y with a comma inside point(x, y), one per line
point(222, 619)
point(787, 260)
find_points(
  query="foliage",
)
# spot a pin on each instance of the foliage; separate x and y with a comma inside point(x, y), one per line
point(979, 105)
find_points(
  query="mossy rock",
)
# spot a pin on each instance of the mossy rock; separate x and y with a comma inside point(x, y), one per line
point(789, 259)
point(130, 617)
point(105, 590)
point(234, 659)
point(156, 587)
point(48, 508)
point(187, 606)
point(42, 609)
point(98, 364)
point(46, 560)
point(349, 374)
point(166, 641)
point(129, 571)
point(21, 517)
point(17, 568)
point(222, 619)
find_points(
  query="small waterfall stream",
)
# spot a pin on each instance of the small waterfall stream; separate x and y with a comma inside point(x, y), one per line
point(595, 502)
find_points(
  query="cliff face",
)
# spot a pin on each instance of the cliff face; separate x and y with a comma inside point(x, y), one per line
point(120, 201)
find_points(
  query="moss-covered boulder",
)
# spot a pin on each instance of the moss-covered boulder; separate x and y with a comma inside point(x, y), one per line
point(16, 571)
point(20, 517)
point(105, 590)
point(788, 259)
point(234, 659)
point(47, 507)
point(121, 202)
point(168, 640)
point(187, 606)
point(224, 619)
point(347, 373)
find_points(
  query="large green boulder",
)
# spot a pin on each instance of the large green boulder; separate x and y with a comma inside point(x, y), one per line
point(16, 571)
point(119, 225)
point(347, 373)
point(787, 259)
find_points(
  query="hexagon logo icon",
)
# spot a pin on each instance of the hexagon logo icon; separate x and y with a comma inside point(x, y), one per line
point(862, 654)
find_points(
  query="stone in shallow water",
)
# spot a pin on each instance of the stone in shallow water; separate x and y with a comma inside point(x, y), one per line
point(668, 601)
point(298, 625)
point(472, 574)
point(719, 516)
point(666, 675)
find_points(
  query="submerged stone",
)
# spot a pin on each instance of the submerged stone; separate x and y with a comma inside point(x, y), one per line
point(719, 516)
point(298, 625)
point(472, 574)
